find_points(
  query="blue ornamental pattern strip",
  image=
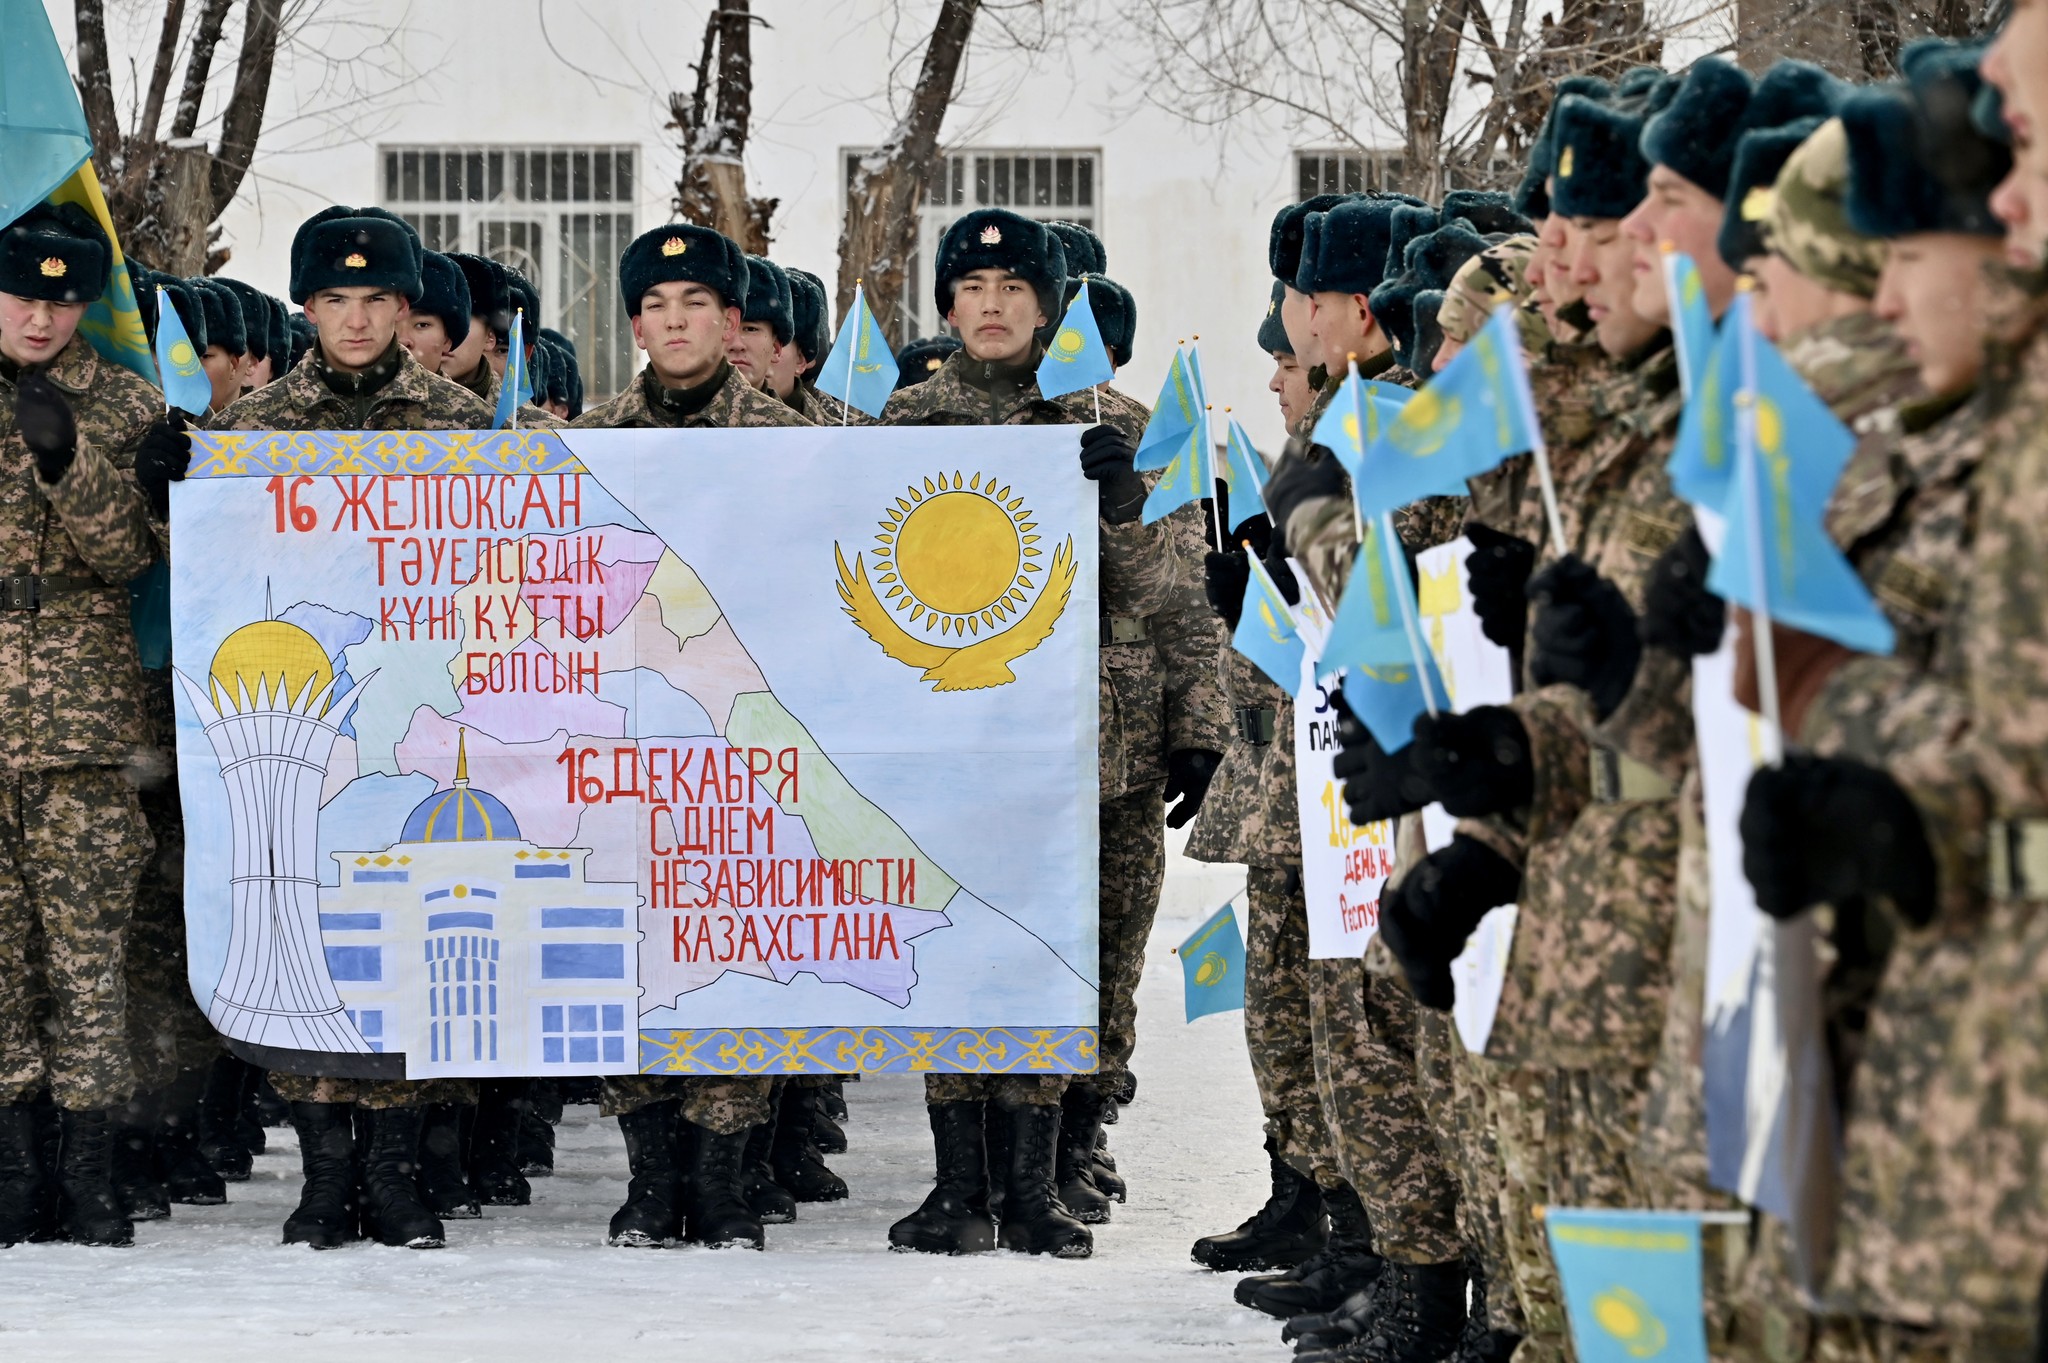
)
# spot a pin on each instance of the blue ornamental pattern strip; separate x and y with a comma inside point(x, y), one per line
point(871, 1050)
point(247, 454)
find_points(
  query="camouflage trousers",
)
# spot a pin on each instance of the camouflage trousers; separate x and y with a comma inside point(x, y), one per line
point(166, 1029)
point(72, 847)
point(1277, 1030)
point(371, 1093)
point(1364, 1028)
point(1567, 1138)
point(1004, 1090)
point(720, 1103)
point(1455, 1104)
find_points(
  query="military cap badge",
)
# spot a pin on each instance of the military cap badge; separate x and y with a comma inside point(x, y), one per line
point(991, 235)
point(53, 267)
point(1564, 165)
point(934, 365)
point(355, 260)
point(674, 246)
point(1756, 205)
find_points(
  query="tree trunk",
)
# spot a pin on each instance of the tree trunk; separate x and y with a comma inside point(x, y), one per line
point(243, 121)
point(186, 211)
point(160, 72)
point(95, 82)
point(712, 187)
point(198, 66)
point(880, 232)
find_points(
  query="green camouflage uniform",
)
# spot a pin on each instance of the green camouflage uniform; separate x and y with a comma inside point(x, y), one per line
point(485, 382)
point(72, 838)
point(1159, 693)
point(822, 409)
point(720, 1103)
point(394, 394)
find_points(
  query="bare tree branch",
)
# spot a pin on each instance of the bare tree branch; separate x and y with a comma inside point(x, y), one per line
point(95, 78)
point(152, 115)
point(199, 66)
point(243, 121)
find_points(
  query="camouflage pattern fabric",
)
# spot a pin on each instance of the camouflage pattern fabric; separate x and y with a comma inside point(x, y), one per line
point(822, 409)
point(166, 1029)
point(310, 398)
point(1497, 275)
point(1004, 1090)
point(1455, 1108)
point(1251, 816)
point(721, 1104)
point(1808, 220)
point(1277, 1028)
point(646, 403)
point(1133, 841)
point(372, 1093)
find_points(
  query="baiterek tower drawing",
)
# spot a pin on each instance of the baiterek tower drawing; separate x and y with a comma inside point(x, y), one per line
point(269, 710)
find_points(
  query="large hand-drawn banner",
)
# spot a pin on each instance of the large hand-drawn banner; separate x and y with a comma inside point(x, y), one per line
point(667, 751)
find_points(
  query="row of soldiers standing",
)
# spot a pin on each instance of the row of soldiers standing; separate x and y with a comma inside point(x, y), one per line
point(1891, 238)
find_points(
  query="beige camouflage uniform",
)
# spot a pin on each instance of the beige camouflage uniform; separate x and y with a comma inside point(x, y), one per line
point(72, 838)
point(1159, 694)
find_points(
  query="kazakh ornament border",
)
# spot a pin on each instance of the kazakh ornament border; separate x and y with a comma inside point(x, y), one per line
point(870, 1050)
point(244, 454)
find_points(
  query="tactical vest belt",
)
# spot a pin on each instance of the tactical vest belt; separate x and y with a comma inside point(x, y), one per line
point(1124, 629)
point(1617, 777)
point(1256, 724)
point(2019, 859)
point(28, 592)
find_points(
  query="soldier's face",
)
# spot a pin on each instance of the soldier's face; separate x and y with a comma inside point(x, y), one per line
point(1933, 292)
point(685, 329)
point(224, 371)
point(754, 352)
point(1557, 287)
point(1342, 328)
point(33, 330)
point(1787, 303)
point(258, 373)
point(462, 359)
point(1295, 308)
point(789, 367)
point(2021, 203)
point(427, 338)
point(2017, 63)
point(356, 325)
point(1603, 267)
point(996, 314)
point(1290, 384)
point(1680, 212)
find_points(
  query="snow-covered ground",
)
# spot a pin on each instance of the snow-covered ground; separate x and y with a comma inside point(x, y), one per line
point(537, 1283)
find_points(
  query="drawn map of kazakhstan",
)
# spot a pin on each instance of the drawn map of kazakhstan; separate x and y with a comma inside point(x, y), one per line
point(676, 751)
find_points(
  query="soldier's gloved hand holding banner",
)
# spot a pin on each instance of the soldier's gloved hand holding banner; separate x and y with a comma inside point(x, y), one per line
point(581, 752)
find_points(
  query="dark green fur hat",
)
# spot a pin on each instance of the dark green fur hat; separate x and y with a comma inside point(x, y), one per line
point(1916, 160)
point(255, 315)
point(1531, 196)
point(997, 239)
point(225, 324)
point(489, 296)
point(1600, 171)
point(1490, 212)
point(683, 252)
point(1283, 242)
point(1085, 252)
point(768, 299)
point(444, 293)
point(1116, 316)
point(1406, 224)
point(1429, 337)
point(55, 253)
point(1759, 156)
point(1692, 135)
point(810, 313)
point(342, 247)
point(1273, 336)
point(922, 358)
point(1345, 249)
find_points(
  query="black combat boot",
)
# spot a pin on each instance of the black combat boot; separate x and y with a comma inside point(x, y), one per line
point(1080, 1130)
point(1034, 1222)
point(770, 1201)
point(249, 1119)
point(326, 1215)
point(651, 1217)
point(391, 1208)
point(265, 1106)
point(795, 1161)
point(92, 1212)
point(25, 1194)
point(826, 1132)
point(833, 1103)
point(187, 1176)
point(1479, 1342)
point(1107, 1180)
point(954, 1217)
point(1127, 1091)
point(715, 1211)
point(1418, 1318)
point(1279, 1235)
point(1344, 1265)
point(537, 1128)
point(443, 1183)
point(1322, 1332)
point(136, 1185)
point(221, 1137)
point(494, 1170)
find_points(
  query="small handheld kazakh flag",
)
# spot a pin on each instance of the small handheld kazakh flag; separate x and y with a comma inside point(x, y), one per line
point(1245, 471)
point(1467, 419)
point(1356, 418)
point(861, 370)
point(1692, 326)
point(1176, 416)
point(43, 133)
point(1191, 472)
point(112, 322)
point(1702, 462)
point(1369, 640)
point(185, 383)
point(517, 386)
point(1265, 630)
point(1795, 450)
point(1077, 358)
point(1212, 965)
point(1631, 1283)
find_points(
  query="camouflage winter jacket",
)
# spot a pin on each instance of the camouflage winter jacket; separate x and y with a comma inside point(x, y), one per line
point(394, 394)
point(74, 689)
point(485, 383)
point(730, 402)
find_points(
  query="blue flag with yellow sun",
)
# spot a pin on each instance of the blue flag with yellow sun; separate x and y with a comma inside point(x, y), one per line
point(1176, 417)
point(1212, 965)
point(861, 370)
point(1692, 325)
point(1356, 418)
point(1077, 358)
point(516, 387)
point(1631, 1283)
point(1190, 465)
point(186, 386)
point(112, 322)
point(1245, 472)
point(1265, 630)
point(1371, 640)
point(1473, 414)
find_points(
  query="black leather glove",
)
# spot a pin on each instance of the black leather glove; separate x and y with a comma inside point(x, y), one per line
point(1819, 830)
point(1107, 459)
point(1584, 634)
point(1377, 784)
point(1283, 576)
point(1476, 763)
point(1225, 577)
point(1499, 573)
point(47, 426)
point(1304, 472)
point(1188, 773)
point(1679, 614)
point(162, 459)
point(1428, 918)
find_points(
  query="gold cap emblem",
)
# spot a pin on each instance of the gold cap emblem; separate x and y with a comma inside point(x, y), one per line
point(674, 246)
point(355, 260)
point(991, 235)
point(1564, 165)
point(54, 268)
point(1756, 205)
point(934, 365)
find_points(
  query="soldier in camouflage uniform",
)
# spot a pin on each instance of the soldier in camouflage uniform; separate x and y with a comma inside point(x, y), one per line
point(1000, 275)
point(686, 1137)
point(795, 379)
point(72, 428)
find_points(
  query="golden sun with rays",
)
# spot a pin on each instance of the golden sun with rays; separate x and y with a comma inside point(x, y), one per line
point(957, 554)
